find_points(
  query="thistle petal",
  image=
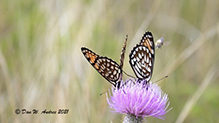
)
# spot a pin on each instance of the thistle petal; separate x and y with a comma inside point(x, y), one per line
point(139, 99)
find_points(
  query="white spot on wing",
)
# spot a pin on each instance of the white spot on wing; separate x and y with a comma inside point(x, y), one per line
point(137, 59)
point(139, 55)
point(149, 55)
point(138, 65)
point(111, 76)
point(150, 64)
point(140, 48)
point(144, 70)
point(107, 74)
point(148, 78)
point(144, 48)
point(152, 51)
point(114, 72)
point(117, 75)
point(149, 69)
point(147, 60)
point(137, 72)
point(132, 62)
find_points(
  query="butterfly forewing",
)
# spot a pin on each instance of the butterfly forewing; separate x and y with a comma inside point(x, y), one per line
point(141, 57)
point(123, 53)
point(89, 55)
point(148, 41)
point(122, 57)
point(108, 68)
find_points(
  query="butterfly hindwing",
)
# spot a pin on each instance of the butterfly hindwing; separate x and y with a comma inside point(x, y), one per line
point(141, 57)
point(108, 68)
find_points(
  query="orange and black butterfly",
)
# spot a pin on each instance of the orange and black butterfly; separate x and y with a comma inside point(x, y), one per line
point(142, 57)
point(108, 68)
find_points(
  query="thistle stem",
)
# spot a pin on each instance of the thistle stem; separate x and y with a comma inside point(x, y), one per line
point(129, 118)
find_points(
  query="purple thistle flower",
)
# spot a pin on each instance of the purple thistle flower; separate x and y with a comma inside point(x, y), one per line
point(138, 99)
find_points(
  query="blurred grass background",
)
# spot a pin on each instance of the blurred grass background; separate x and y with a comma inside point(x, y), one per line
point(42, 67)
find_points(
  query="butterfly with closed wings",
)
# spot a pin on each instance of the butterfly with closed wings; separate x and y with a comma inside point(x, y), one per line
point(142, 57)
point(106, 67)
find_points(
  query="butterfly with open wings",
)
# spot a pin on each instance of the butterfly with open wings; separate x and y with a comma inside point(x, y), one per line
point(108, 68)
point(141, 60)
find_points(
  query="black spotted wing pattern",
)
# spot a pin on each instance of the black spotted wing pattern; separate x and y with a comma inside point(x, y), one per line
point(141, 57)
point(108, 68)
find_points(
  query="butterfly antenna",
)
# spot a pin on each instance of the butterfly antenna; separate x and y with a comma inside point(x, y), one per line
point(103, 93)
point(128, 74)
point(161, 79)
